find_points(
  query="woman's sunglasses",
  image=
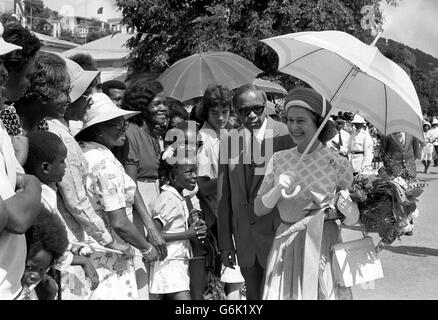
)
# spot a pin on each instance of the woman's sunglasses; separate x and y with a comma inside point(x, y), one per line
point(121, 126)
point(257, 109)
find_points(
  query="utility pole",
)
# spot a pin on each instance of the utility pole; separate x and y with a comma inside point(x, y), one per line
point(30, 18)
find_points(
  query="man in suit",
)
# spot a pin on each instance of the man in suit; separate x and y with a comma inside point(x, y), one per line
point(400, 151)
point(341, 140)
point(244, 153)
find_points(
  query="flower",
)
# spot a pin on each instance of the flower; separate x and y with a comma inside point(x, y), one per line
point(386, 203)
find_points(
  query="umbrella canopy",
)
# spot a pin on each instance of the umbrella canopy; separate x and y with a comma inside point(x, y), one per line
point(189, 77)
point(270, 87)
point(353, 76)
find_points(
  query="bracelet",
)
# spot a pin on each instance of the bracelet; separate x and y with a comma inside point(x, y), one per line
point(146, 252)
point(110, 244)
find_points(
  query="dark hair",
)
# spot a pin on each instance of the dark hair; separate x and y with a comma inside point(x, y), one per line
point(44, 146)
point(15, 33)
point(138, 95)
point(48, 79)
point(242, 89)
point(176, 111)
point(214, 96)
point(86, 61)
point(48, 233)
point(112, 84)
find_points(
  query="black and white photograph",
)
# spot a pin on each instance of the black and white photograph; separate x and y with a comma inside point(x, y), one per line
point(229, 152)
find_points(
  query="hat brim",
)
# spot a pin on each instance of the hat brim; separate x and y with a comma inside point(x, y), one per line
point(81, 83)
point(6, 47)
point(106, 117)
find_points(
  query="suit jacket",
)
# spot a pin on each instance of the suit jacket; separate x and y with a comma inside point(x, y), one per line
point(253, 235)
point(402, 156)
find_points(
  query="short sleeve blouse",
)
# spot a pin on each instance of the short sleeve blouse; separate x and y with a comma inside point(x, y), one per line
point(108, 186)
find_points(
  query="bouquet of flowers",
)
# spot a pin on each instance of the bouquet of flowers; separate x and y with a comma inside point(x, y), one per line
point(386, 203)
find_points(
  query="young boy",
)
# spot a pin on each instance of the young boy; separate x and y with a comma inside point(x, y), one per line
point(45, 160)
point(46, 242)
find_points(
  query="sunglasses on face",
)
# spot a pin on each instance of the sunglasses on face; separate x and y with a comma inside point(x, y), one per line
point(257, 109)
point(120, 126)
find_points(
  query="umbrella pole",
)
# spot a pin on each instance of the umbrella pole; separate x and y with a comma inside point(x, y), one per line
point(339, 93)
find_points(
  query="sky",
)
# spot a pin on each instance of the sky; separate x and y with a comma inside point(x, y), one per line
point(414, 23)
point(85, 8)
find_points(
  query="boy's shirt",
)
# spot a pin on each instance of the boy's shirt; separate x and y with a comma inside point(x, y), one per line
point(48, 200)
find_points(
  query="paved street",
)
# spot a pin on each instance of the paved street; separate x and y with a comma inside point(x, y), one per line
point(410, 266)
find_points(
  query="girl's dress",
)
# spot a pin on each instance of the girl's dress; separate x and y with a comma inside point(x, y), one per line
point(322, 171)
point(427, 152)
point(109, 188)
point(172, 274)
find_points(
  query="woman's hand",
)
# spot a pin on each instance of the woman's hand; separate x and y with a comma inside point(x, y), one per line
point(287, 182)
point(150, 255)
point(91, 273)
point(126, 249)
point(156, 239)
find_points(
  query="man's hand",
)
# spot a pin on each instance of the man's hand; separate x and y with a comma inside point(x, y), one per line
point(21, 148)
point(156, 239)
point(228, 258)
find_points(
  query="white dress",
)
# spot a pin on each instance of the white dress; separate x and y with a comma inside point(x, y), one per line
point(172, 274)
point(109, 188)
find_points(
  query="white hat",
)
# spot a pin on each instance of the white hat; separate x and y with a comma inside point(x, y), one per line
point(80, 78)
point(358, 119)
point(103, 109)
point(435, 121)
point(6, 47)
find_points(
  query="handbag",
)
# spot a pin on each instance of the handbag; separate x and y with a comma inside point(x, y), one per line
point(356, 262)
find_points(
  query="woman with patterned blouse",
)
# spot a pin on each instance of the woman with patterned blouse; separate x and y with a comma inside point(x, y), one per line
point(321, 170)
point(111, 192)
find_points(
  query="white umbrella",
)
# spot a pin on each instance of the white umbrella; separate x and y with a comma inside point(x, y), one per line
point(353, 76)
point(270, 87)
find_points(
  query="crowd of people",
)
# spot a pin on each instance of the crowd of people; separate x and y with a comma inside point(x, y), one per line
point(110, 191)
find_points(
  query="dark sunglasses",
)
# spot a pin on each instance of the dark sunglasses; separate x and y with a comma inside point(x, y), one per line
point(257, 109)
point(121, 126)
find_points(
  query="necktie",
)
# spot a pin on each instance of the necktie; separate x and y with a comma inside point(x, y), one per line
point(340, 139)
point(249, 168)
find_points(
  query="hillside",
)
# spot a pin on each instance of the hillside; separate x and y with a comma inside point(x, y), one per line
point(425, 62)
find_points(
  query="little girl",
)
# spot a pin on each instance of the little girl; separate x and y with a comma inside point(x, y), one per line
point(170, 278)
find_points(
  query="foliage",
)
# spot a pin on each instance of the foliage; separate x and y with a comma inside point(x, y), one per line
point(170, 30)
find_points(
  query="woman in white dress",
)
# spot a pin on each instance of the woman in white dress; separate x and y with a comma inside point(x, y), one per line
point(111, 192)
point(322, 170)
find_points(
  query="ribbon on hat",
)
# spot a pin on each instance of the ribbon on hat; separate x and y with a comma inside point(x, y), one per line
point(313, 224)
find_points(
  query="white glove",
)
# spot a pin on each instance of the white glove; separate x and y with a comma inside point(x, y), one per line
point(285, 181)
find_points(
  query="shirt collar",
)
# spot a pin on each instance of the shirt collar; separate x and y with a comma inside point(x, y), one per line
point(171, 189)
point(49, 195)
point(207, 129)
point(259, 134)
point(93, 145)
